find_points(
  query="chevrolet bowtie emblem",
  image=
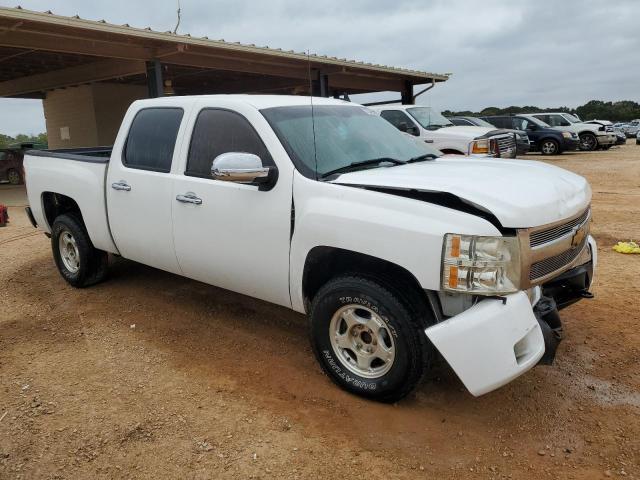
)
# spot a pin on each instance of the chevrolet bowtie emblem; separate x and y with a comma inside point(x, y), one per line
point(578, 237)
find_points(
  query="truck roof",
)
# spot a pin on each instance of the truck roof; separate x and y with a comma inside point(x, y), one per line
point(257, 101)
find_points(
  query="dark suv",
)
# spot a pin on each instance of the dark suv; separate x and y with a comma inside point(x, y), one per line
point(542, 137)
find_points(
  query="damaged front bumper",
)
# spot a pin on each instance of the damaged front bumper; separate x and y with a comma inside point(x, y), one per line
point(499, 339)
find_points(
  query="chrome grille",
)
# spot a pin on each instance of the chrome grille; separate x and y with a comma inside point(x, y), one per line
point(507, 146)
point(549, 235)
point(551, 264)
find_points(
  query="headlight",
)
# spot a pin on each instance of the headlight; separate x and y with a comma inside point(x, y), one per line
point(483, 146)
point(480, 265)
point(567, 134)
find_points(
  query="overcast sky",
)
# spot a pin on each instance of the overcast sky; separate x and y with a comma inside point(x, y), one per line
point(501, 53)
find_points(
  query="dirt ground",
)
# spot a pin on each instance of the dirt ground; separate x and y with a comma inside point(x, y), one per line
point(150, 375)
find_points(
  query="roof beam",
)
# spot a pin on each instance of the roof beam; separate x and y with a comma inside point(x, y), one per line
point(87, 73)
point(64, 44)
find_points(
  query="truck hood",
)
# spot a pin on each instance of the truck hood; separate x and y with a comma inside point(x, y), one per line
point(468, 133)
point(519, 193)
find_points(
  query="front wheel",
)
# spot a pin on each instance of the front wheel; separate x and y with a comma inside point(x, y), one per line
point(78, 261)
point(549, 147)
point(588, 142)
point(366, 338)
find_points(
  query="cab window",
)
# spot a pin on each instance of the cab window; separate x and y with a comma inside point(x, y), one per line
point(152, 139)
point(219, 131)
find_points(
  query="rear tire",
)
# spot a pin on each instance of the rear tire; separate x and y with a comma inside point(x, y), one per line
point(549, 147)
point(14, 177)
point(588, 142)
point(78, 261)
point(367, 339)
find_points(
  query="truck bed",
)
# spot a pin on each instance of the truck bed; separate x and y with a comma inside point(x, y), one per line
point(79, 174)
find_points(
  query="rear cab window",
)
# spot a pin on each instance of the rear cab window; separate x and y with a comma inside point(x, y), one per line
point(152, 139)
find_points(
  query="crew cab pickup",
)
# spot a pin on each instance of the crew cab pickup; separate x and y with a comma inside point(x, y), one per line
point(430, 126)
point(393, 251)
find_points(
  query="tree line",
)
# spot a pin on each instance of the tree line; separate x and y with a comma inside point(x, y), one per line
point(7, 141)
point(622, 111)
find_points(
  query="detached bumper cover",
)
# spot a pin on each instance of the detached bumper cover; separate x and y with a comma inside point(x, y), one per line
point(491, 343)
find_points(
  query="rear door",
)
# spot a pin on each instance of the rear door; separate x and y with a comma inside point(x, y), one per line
point(233, 235)
point(140, 187)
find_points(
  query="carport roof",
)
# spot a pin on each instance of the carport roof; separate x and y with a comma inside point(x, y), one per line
point(42, 51)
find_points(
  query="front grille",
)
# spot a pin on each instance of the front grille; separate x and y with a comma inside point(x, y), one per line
point(507, 146)
point(550, 234)
point(551, 264)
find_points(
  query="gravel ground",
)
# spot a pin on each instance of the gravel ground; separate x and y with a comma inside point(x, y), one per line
point(150, 375)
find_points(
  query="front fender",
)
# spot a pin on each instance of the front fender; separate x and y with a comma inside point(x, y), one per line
point(403, 231)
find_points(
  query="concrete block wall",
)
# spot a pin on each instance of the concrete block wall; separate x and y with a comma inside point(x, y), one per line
point(88, 115)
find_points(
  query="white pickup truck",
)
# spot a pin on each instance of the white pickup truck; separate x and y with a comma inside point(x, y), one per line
point(394, 252)
point(430, 126)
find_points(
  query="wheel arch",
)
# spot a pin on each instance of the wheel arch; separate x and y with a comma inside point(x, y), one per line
point(324, 263)
point(56, 204)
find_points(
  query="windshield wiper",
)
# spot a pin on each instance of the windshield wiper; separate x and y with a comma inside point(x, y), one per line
point(421, 158)
point(363, 163)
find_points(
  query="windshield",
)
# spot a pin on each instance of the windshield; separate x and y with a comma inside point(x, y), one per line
point(478, 122)
point(429, 118)
point(571, 118)
point(344, 135)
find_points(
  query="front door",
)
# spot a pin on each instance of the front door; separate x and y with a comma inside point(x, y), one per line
point(228, 234)
point(140, 187)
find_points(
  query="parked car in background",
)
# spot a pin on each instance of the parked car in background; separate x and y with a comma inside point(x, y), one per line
point(638, 138)
point(542, 138)
point(522, 140)
point(591, 136)
point(621, 137)
point(632, 128)
point(432, 127)
point(392, 251)
point(11, 169)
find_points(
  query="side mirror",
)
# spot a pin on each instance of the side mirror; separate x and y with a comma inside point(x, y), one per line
point(240, 167)
point(532, 126)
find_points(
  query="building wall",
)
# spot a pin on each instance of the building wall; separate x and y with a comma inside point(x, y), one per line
point(111, 102)
point(88, 115)
point(70, 117)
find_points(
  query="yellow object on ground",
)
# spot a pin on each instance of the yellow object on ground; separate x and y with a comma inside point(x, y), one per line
point(627, 247)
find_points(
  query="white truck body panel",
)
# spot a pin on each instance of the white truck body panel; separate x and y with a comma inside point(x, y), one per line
point(496, 327)
point(538, 193)
point(82, 181)
point(246, 240)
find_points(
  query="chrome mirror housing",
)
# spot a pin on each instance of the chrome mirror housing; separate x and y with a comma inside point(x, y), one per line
point(240, 167)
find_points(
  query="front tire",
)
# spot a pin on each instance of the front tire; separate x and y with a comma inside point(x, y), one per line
point(78, 261)
point(588, 142)
point(366, 338)
point(549, 147)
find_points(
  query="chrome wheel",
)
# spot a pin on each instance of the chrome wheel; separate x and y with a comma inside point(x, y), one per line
point(69, 252)
point(362, 341)
point(549, 148)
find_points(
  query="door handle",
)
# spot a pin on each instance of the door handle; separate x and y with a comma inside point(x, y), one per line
point(189, 197)
point(121, 185)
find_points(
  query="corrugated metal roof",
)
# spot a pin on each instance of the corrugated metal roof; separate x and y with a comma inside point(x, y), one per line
point(48, 17)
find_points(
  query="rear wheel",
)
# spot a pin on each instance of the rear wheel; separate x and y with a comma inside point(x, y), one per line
point(78, 261)
point(549, 147)
point(588, 142)
point(14, 177)
point(366, 338)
